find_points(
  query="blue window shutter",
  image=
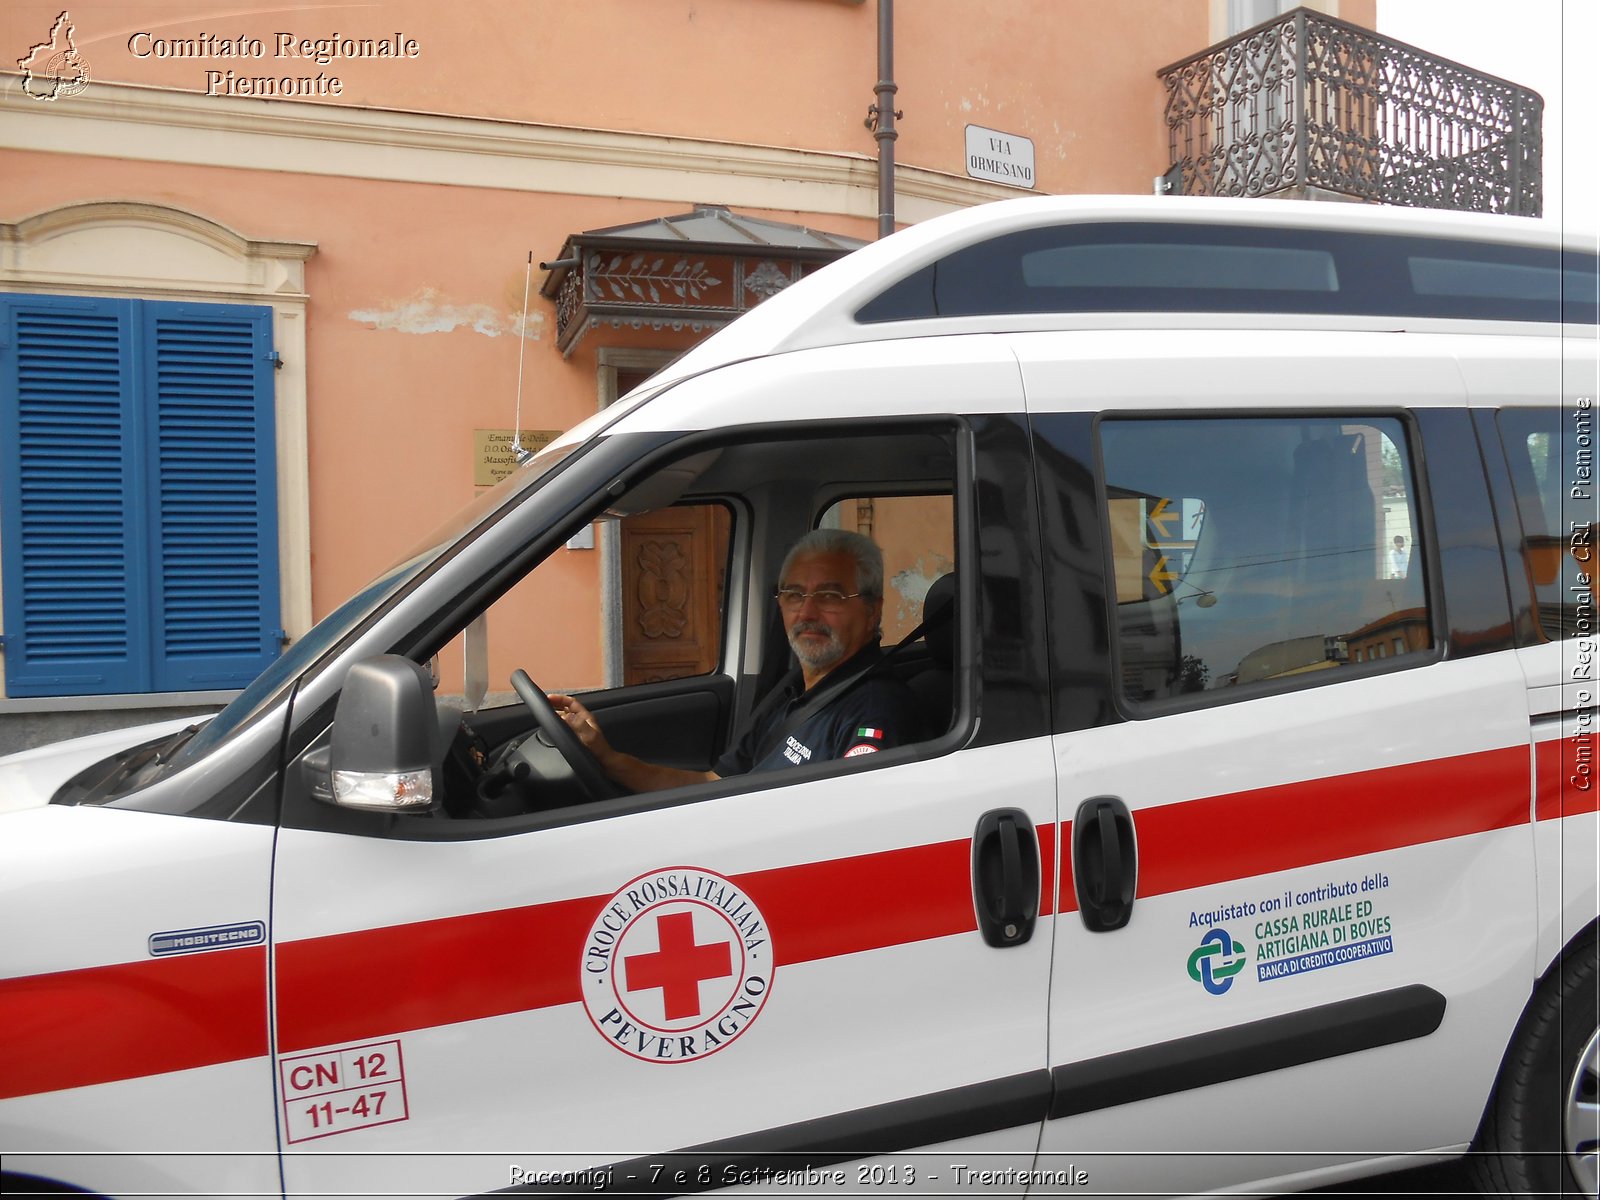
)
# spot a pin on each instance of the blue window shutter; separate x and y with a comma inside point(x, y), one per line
point(74, 582)
point(212, 503)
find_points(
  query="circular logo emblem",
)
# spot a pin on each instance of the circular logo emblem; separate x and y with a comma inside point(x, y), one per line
point(676, 965)
point(69, 71)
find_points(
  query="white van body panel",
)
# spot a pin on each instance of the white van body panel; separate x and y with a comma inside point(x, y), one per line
point(193, 1130)
point(961, 374)
point(1255, 765)
point(1202, 371)
point(547, 1081)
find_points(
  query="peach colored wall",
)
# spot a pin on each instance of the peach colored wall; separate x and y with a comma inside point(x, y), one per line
point(1359, 12)
point(1075, 76)
point(918, 540)
point(917, 537)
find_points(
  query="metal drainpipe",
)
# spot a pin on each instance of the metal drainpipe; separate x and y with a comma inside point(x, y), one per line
point(880, 118)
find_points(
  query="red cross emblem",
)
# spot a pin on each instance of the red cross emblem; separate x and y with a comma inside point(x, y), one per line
point(676, 966)
point(679, 966)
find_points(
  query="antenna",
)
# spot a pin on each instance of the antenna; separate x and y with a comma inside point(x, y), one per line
point(518, 451)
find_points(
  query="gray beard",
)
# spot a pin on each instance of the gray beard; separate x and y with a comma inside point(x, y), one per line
point(813, 656)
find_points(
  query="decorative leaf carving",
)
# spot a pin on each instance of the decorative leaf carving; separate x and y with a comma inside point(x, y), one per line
point(642, 280)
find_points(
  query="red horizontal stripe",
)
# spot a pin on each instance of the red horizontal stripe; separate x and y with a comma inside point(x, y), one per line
point(488, 964)
point(1217, 839)
point(1567, 783)
point(352, 986)
point(74, 1028)
point(1067, 896)
point(1047, 868)
point(847, 905)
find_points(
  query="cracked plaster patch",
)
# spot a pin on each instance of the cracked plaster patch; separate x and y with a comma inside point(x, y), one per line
point(428, 312)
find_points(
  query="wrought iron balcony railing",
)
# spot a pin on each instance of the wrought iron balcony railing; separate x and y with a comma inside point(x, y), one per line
point(1307, 103)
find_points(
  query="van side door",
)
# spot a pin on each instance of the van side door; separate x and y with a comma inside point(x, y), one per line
point(1296, 887)
point(794, 970)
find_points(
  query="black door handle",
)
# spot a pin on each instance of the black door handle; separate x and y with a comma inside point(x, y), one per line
point(1105, 863)
point(1005, 876)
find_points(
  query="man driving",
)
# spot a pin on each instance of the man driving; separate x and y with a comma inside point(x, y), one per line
point(830, 594)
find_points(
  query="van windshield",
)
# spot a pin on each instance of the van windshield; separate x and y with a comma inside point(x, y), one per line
point(333, 628)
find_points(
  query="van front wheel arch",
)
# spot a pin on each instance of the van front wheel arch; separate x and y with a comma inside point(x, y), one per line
point(1541, 1133)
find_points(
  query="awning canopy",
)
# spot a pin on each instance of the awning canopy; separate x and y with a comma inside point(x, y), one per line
point(696, 271)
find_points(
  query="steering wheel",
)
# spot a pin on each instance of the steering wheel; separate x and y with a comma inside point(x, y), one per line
point(596, 784)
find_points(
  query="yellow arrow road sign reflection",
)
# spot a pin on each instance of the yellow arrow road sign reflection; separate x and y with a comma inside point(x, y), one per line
point(1161, 577)
point(1159, 516)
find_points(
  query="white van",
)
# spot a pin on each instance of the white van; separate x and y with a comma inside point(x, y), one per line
point(1251, 842)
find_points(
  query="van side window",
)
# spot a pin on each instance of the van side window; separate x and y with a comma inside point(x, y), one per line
point(1249, 551)
point(675, 641)
point(1195, 267)
point(1551, 456)
point(654, 585)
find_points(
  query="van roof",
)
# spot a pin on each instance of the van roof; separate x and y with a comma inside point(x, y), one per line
point(825, 308)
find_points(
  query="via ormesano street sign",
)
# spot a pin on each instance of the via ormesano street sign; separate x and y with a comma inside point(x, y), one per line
point(999, 157)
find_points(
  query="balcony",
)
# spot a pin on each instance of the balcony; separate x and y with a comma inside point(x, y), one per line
point(696, 271)
point(1310, 106)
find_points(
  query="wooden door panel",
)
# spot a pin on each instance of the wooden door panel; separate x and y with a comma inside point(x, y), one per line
point(673, 565)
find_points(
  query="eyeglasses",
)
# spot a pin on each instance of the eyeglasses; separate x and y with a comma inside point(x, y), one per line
point(793, 597)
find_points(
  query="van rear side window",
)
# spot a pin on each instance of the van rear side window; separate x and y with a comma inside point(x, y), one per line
point(1551, 456)
point(1190, 267)
point(1130, 265)
point(1266, 550)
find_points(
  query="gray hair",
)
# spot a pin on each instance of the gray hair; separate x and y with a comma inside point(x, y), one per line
point(868, 558)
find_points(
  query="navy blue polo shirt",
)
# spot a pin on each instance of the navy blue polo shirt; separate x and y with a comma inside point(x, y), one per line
point(874, 714)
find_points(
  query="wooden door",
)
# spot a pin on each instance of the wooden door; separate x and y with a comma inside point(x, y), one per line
point(673, 565)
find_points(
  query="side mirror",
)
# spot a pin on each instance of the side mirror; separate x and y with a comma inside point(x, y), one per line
point(385, 748)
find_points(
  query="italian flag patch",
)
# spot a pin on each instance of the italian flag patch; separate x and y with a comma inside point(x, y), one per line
point(867, 731)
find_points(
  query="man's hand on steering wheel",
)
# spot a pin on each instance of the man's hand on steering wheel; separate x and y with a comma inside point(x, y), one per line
point(558, 733)
point(583, 725)
point(624, 772)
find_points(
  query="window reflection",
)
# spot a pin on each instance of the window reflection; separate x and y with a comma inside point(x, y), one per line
point(1550, 453)
point(1249, 550)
